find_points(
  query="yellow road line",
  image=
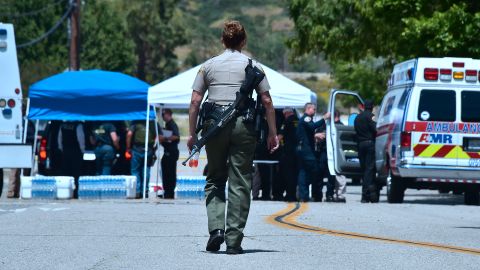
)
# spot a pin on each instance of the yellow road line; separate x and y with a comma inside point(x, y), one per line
point(287, 218)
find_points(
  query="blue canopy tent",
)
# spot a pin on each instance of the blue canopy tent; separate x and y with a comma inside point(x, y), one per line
point(90, 95)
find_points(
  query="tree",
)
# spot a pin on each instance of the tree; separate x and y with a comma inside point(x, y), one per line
point(104, 36)
point(31, 19)
point(353, 34)
point(106, 42)
point(156, 35)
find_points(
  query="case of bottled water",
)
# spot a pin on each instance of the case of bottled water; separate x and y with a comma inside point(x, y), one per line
point(46, 187)
point(107, 187)
point(190, 187)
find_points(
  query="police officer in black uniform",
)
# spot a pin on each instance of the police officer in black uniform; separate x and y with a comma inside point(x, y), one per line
point(365, 127)
point(170, 154)
point(71, 142)
point(288, 161)
point(308, 167)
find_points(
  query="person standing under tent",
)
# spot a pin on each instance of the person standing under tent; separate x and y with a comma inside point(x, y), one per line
point(71, 143)
point(136, 147)
point(169, 137)
point(288, 161)
point(107, 143)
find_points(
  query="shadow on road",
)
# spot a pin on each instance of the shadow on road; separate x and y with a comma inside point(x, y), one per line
point(474, 228)
point(435, 199)
point(246, 251)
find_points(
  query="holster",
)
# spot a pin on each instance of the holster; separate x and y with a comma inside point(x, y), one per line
point(205, 111)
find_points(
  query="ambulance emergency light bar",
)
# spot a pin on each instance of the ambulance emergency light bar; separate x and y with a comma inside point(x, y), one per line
point(446, 75)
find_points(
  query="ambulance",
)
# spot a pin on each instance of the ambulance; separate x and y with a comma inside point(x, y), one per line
point(14, 153)
point(428, 129)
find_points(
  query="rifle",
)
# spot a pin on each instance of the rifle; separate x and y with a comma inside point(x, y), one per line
point(253, 77)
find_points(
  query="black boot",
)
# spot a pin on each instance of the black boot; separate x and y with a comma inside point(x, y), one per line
point(374, 194)
point(216, 239)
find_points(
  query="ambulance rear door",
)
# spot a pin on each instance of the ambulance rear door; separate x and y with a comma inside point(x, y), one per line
point(434, 115)
point(342, 149)
point(468, 153)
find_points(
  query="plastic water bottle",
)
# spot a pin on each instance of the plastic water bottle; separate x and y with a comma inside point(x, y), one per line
point(193, 162)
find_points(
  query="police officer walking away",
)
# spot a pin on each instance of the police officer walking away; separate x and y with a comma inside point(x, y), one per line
point(365, 127)
point(230, 151)
point(308, 166)
point(169, 138)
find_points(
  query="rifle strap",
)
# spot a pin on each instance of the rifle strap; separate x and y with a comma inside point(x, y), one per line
point(250, 63)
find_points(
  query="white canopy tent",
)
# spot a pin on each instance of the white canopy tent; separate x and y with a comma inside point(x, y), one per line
point(176, 92)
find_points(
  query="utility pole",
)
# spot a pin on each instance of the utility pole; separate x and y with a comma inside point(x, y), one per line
point(75, 35)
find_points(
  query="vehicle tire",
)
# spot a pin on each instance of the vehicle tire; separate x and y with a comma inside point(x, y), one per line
point(395, 189)
point(356, 181)
point(457, 192)
point(443, 190)
point(472, 197)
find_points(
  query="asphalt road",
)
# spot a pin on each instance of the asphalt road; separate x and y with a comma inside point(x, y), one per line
point(429, 231)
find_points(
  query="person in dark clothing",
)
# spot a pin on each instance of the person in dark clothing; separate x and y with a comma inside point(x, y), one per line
point(288, 160)
point(122, 165)
point(136, 146)
point(365, 128)
point(279, 183)
point(270, 183)
point(107, 143)
point(169, 138)
point(308, 167)
point(322, 160)
point(71, 143)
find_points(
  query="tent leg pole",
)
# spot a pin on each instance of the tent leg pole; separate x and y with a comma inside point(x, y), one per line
point(147, 124)
point(160, 169)
point(34, 147)
point(25, 130)
point(157, 144)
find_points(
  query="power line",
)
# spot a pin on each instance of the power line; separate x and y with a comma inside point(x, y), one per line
point(49, 32)
point(33, 12)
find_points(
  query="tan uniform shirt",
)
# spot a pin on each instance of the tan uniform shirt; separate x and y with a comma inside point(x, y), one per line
point(223, 75)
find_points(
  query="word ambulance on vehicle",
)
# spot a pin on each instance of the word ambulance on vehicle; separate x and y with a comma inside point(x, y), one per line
point(428, 129)
point(14, 153)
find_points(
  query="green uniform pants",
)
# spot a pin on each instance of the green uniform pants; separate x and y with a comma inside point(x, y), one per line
point(230, 156)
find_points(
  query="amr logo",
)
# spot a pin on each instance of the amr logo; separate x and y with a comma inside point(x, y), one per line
point(435, 138)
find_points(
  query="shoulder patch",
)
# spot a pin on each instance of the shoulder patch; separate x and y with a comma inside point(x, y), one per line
point(307, 119)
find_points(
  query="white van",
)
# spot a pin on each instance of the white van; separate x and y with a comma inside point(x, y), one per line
point(13, 151)
point(428, 129)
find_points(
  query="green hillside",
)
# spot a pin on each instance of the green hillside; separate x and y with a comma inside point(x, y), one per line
point(267, 22)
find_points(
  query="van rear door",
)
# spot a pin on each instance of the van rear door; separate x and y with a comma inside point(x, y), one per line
point(468, 152)
point(434, 127)
point(342, 149)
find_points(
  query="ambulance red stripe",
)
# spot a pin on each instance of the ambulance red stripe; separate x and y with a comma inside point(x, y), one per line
point(419, 148)
point(443, 151)
point(473, 154)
